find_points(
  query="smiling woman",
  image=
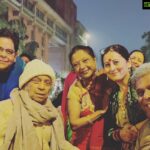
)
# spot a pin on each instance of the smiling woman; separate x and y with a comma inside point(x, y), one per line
point(87, 100)
point(123, 115)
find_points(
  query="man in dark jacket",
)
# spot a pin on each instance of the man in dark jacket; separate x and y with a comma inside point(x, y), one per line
point(10, 67)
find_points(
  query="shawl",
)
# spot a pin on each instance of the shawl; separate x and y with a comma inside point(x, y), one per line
point(64, 104)
point(21, 134)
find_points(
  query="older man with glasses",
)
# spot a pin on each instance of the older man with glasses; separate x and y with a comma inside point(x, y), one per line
point(140, 80)
point(10, 69)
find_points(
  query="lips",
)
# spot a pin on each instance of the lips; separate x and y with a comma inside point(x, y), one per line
point(84, 72)
point(114, 73)
point(2, 60)
point(40, 95)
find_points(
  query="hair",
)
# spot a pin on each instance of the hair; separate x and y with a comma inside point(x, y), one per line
point(4, 32)
point(86, 49)
point(116, 48)
point(144, 69)
point(136, 50)
point(27, 55)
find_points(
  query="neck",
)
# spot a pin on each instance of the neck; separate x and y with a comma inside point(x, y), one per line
point(123, 84)
point(87, 81)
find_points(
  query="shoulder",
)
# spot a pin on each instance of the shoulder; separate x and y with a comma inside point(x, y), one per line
point(144, 135)
point(75, 91)
point(6, 106)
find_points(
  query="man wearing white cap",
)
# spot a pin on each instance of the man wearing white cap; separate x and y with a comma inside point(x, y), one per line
point(28, 120)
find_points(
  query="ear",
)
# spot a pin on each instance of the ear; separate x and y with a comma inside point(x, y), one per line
point(129, 63)
point(95, 60)
point(16, 54)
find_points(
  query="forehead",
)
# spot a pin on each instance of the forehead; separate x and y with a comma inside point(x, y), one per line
point(79, 55)
point(143, 81)
point(112, 55)
point(137, 54)
point(41, 77)
point(6, 41)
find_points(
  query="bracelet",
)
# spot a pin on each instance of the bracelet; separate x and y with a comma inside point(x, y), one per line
point(116, 135)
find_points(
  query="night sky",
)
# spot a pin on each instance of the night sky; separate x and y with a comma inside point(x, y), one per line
point(114, 22)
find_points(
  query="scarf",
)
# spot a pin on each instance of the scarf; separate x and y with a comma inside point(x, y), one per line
point(21, 134)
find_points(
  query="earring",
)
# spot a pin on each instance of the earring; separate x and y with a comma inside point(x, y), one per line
point(106, 77)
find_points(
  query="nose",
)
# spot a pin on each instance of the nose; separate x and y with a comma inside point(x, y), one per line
point(112, 67)
point(41, 85)
point(82, 65)
point(147, 94)
point(3, 53)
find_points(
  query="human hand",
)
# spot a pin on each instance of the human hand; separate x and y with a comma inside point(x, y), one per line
point(128, 133)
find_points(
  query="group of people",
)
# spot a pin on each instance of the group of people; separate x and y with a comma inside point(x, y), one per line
point(101, 109)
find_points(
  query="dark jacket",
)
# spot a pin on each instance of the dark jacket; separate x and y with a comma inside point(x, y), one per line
point(135, 115)
point(10, 79)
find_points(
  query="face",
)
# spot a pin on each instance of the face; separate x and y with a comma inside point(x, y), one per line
point(115, 66)
point(143, 91)
point(7, 53)
point(25, 59)
point(83, 64)
point(136, 59)
point(39, 88)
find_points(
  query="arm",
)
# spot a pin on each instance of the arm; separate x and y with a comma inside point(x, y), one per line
point(74, 115)
point(74, 109)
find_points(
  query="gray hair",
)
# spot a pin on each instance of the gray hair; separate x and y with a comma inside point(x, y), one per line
point(144, 69)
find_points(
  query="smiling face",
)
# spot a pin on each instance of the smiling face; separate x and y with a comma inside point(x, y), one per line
point(83, 64)
point(116, 66)
point(143, 91)
point(137, 59)
point(38, 88)
point(7, 53)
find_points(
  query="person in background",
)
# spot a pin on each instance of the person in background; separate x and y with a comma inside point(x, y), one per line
point(26, 57)
point(124, 116)
point(87, 100)
point(140, 80)
point(28, 120)
point(137, 58)
point(10, 67)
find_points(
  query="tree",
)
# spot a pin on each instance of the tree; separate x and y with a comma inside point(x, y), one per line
point(146, 47)
point(3, 14)
point(17, 25)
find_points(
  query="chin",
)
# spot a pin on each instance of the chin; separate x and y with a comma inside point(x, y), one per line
point(4, 66)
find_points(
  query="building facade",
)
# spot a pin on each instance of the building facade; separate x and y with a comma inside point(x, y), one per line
point(52, 24)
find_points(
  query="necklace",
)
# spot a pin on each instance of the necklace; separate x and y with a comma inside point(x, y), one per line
point(89, 85)
point(122, 105)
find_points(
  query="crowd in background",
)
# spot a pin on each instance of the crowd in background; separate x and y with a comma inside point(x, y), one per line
point(92, 109)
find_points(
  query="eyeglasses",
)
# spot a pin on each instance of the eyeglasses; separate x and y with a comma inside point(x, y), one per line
point(8, 51)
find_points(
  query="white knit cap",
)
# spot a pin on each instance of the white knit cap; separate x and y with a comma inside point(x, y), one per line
point(35, 68)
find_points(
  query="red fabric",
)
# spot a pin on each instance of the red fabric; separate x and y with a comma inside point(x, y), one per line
point(64, 108)
point(89, 137)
